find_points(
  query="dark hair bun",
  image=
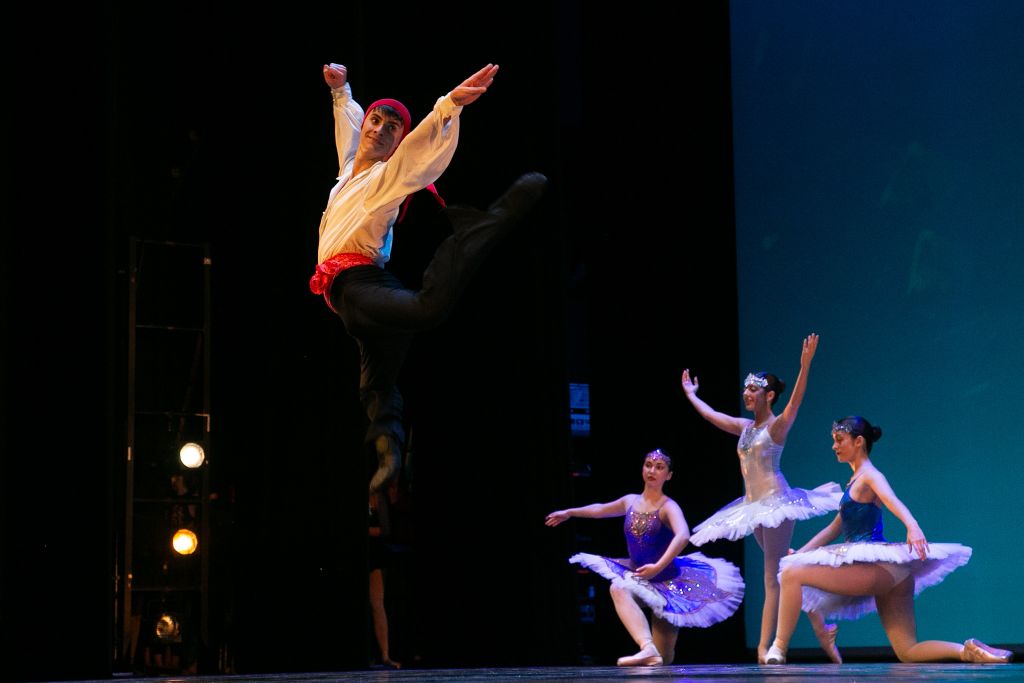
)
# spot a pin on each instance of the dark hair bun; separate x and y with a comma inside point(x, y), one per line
point(876, 433)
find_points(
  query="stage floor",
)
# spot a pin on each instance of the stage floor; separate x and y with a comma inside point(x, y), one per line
point(745, 673)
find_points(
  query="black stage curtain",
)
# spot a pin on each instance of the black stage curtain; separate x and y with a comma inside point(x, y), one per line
point(212, 124)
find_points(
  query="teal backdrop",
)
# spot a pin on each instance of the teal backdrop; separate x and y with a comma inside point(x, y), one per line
point(879, 171)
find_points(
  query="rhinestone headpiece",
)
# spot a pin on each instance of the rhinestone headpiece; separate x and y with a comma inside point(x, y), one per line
point(842, 427)
point(658, 454)
point(757, 381)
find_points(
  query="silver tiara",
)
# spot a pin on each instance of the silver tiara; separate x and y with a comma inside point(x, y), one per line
point(756, 381)
point(658, 454)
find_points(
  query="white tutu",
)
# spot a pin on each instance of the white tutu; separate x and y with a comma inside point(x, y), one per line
point(941, 560)
point(740, 517)
point(705, 591)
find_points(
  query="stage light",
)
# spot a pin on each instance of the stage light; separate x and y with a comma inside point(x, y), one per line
point(168, 629)
point(191, 455)
point(184, 542)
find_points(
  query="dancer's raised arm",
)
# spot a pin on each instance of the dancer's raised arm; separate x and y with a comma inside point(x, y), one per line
point(727, 423)
point(780, 428)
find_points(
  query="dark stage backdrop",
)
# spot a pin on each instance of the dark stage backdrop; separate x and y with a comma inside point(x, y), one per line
point(879, 166)
point(651, 283)
point(212, 124)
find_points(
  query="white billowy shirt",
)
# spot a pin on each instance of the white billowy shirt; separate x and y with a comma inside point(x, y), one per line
point(362, 209)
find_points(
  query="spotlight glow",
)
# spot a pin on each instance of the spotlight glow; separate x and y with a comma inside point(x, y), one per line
point(191, 455)
point(185, 542)
point(168, 629)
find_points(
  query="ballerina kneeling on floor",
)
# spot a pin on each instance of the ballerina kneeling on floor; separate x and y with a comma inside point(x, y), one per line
point(692, 590)
point(865, 573)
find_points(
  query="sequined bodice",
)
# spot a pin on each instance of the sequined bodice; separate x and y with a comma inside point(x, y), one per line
point(647, 538)
point(861, 521)
point(759, 463)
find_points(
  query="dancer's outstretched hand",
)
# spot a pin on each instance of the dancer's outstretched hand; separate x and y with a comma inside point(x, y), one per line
point(472, 88)
point(810, 346)
point(689, 386)
point(556, 518)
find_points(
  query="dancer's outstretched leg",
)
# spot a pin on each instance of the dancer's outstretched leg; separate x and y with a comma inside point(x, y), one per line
point(382, 315)
point(370, 299)
point(474, 235)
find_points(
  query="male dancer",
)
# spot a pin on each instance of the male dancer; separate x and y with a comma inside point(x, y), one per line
point(382, 161)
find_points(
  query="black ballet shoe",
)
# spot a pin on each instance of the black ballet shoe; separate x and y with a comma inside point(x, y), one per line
point(520, 197)
point(505, 212)
point(977, 652)
point(827, 640)
point(648, 656)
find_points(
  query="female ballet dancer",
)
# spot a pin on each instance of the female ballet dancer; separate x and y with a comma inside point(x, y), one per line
point(693, 590)
point(770, 507)
point(865, 573)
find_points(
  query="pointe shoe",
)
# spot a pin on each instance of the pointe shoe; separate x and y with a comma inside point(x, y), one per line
point(648, 656)
point(977, 652)
point(827, 640)
point(775, 656)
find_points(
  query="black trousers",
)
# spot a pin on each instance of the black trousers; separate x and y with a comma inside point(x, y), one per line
point(383, 316)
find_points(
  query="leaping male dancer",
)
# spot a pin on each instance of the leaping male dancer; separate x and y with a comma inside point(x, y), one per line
point(383, 160)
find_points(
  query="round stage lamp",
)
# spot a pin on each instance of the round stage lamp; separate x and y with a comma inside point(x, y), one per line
point(191, 455)
point(185, 542)
point(168, 629)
